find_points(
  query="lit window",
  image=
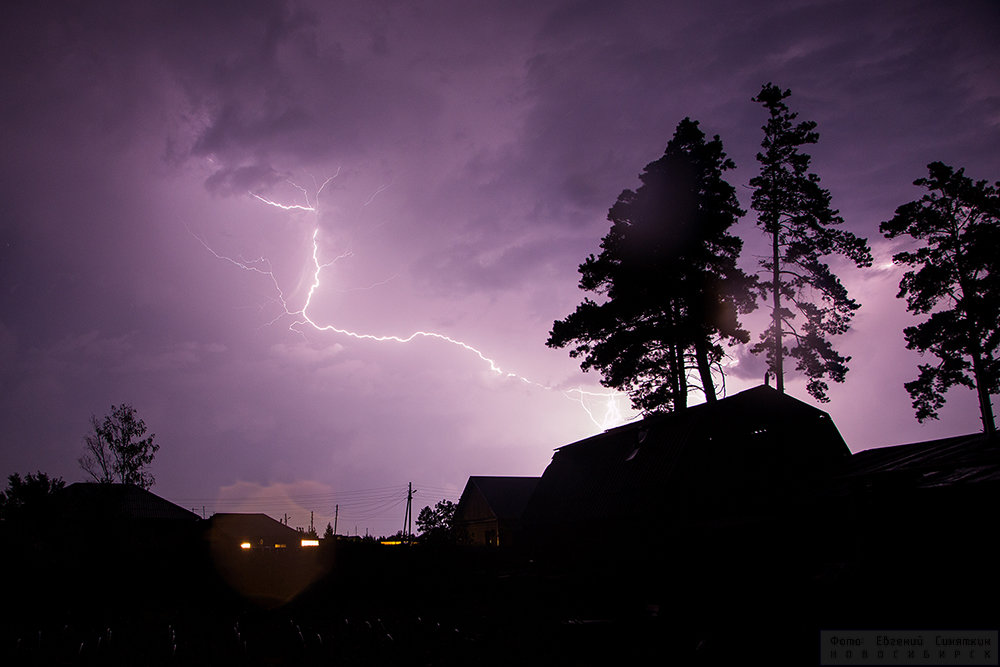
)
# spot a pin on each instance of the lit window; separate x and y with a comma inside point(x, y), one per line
point(310, 543)
point(280, 546)
point(245, 545)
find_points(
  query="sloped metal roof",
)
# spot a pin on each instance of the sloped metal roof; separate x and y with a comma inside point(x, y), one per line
point(964, 459)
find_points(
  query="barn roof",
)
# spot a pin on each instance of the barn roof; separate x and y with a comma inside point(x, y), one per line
point(756, 439)
point(750, 406)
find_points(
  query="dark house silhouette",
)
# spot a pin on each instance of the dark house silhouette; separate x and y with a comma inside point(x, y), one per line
point(707, 511)
point(252, 531)
point(112, 544)
point(966, 461)
point(738, 468)
point(262, 559)
point(490, 508)
point(122, 514)
point(908, 504)
point(90, 501)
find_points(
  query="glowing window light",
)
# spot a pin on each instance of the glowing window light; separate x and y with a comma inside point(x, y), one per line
point(310, 543)
point(244, 545)
point(280, 546)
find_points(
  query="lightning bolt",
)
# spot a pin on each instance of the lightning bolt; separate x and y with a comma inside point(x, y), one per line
point(287, 207)
point(610, 415)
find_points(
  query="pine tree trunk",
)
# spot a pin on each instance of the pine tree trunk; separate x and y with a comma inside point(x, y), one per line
point(701, 356)
point(673, 376)
point(972, 314)
point(675, 383)
point(776, 300)
point(680, 399)
point(985, 405)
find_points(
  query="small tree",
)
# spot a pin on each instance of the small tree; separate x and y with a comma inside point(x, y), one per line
point(116, 451)
point(437, 524)
point(668, 280)
point(25, 496)
point(956, 281)
point(328, 533)
point(796, 213)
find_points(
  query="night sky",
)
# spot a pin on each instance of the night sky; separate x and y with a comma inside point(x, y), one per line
point(477, 148)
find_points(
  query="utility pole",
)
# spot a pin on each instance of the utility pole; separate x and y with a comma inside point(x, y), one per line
point(336, 513)
point(408, 517)
point(286, 519)
point(312, 528)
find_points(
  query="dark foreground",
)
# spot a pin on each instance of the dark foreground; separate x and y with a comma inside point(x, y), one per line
point(115, 601)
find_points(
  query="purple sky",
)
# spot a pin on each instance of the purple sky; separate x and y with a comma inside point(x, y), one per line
point(477, 147)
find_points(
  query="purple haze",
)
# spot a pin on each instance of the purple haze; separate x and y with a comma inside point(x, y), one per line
point(479, 147)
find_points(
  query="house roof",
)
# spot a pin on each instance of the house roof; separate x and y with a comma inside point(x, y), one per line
point(963, 459)
point(506, 496)
point(757, 439)
point(252, 528)
point(119, 501)
point(747, 407)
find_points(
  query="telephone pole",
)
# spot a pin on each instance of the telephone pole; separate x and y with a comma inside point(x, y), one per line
point(336, 513)
point(408, 517)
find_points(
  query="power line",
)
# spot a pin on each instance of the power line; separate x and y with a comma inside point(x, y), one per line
point(357, 505)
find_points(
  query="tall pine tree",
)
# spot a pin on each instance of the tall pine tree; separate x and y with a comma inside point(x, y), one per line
point(670, 289)
point(955, 280)
point(796, 213)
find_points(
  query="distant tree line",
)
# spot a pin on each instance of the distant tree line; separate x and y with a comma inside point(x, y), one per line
point(669, 293)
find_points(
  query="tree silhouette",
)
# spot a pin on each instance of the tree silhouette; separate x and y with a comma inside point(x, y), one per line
point(26, 497)
point(437, 524)
point(116, 451)
point(795, 212)
point(670, 289)
point(328, 533)
point(956, 282)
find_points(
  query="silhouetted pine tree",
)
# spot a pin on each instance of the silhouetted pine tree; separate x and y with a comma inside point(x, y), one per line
point(796, 213)
point(667, 276)
point(957, 265)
